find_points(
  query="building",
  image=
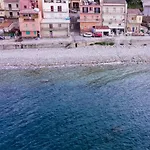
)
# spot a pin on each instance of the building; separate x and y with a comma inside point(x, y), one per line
point(56, 20)
point(29, 19)
point(28, 4)
point(74, 5)
point(29, 23)
point(134, 20)
point(2, 10)
point(90, 14)
point(146, 7)
point(114, 15)
point(11, 9)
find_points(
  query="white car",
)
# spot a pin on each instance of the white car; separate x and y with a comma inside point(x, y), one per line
point(88, 34)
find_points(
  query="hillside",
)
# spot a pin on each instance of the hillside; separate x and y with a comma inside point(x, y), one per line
point(135, 4)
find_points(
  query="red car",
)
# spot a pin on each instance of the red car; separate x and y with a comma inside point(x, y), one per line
point(97, 34)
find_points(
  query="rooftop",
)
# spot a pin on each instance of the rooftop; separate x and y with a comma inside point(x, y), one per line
point(5, 24)
point(134, 11)
point(115, 1)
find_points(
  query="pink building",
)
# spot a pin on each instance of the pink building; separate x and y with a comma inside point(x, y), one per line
point(30, 19)
point(28, 4)
point(90, 14)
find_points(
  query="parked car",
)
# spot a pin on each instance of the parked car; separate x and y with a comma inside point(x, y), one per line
point(138, 34)
point(97, 34)
point(88, 34)
point(19, 39)
point(2, 38)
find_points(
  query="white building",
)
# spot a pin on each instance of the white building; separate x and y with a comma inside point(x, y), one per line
point(55, 22)
point(114, 15)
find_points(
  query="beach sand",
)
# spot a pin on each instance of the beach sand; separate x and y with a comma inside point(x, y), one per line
point(90, 55)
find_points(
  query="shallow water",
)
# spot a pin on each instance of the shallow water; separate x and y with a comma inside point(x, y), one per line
point(82, 108)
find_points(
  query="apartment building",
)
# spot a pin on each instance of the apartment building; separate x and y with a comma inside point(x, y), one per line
point(11, 8)
point(134, 20)
point(56, 21)
point(30, 19)
point(90, 14)
point(146, 7)
point(2, 10)
point(114, 15)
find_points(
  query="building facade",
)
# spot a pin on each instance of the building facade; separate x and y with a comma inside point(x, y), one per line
point(134, 20)
point(11, 8)
point(74, 5)
point(114, 15)
point(29, 19)
point(146, 7)
point(56, 20)
point(2, 9)
point(90, 15)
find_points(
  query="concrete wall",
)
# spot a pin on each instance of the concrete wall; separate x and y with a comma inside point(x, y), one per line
point(87, 26)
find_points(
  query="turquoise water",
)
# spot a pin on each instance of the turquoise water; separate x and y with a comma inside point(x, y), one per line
point(82, 108)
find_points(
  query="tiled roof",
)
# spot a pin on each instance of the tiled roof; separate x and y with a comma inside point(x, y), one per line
point(5, 24)
point(134, 11)
point(115, 1)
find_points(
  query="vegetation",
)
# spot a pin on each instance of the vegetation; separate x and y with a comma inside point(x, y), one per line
point(135, 4)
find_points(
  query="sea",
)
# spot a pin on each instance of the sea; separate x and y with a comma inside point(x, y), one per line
point(75, 108)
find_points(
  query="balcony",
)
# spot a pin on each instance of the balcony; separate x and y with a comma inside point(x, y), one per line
point(89, 20)
point(90, 3)
point(54, 28)
point(133, 22)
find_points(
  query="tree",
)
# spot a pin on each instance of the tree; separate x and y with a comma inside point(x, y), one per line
point(135, 4)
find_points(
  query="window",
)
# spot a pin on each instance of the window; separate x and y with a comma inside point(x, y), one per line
point(107, 10)
point(91, 9)
point(27, 32)
point(25, 6)
point(11, 14)
point(96, 10)
point(9, 6)
point(59, 8)
point(52, 8)
point(121, 10)
point(18, 13)
point(50, 26)
point(58, 1)
point(114, 9)
point(85, 9)
point(34, 32)
point(59, 25)
point(17, 5)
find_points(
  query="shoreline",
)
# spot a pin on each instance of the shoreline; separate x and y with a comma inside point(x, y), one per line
point(83, 56)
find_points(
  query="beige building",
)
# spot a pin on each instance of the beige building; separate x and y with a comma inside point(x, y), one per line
point(11, 8)
point(2, 11)
point(134, 20)
point(114, 15)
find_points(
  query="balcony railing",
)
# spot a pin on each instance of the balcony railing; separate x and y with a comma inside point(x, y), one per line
point(54, 28)
point(89, 20)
